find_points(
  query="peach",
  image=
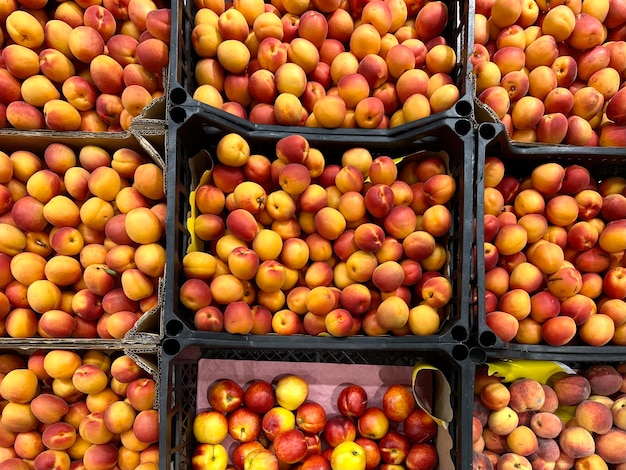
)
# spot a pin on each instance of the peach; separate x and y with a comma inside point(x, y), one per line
point(93, 429)
point(123, 49)
point(80, 93)
point(71, 13)
point(24, 29)
point(542, 80)
point(522, 441)
point(612, 135)
point(24, 116)
point(56, 34)
point(56, 324)
point(542, 51)
point(559, 22)
point(205, 38)
point(566, 70)
point(61, 115)
point(503, 421)
point(509, 59)
point(119, 417)
point(19, 386)
point(558, 331)
point(587, 33)
point(545, 425)
point(61, 364)
point(608, 446)
point(153, 54)
point(613, 107)
point(495, 395)
point(100, 456)
point(28, 445)
point(107, 74)
point(598, 330)
point(233, 25)
point(137, 74)
point(365, 39)
point(503, 324)
point(100, 19)
point(431, 20)
point(43, 295)
point(10, 87)
point(587, 103)
point(85, 43)
point(392, 313)
point(497, 98)
point(48, 408)
point(505, 13)
point(571, 389)
point(551, 402)
point(21, 61)
point(59, 436)
point(594, 416)
point(591, 61)
point(52, 458)
point(576, 442)
point(135, 98)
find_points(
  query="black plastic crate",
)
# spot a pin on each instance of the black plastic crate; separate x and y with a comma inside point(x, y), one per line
point(199, 134)
point(459, 34)
point(518, 364)
point(519, 161)
point(179, 388)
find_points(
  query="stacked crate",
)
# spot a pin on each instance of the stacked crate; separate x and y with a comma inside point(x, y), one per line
point(191, 351)
point(491, 335)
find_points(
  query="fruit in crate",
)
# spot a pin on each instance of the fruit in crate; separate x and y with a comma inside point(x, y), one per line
point(569, 421)
point(378, 64)
point(294, 245)
point(553, 73)
point(317, 436)
point(87, 67)
point(51, 420)
point(80, 241)
point(552, 255)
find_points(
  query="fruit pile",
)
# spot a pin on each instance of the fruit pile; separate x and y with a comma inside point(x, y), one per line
point(81, 236)
point(575, 420)
point(298, 246)
point(62, 409)
point(279, 426)
point(553, 246)
point(81, 65)
point(325, 63)
point(553, 73)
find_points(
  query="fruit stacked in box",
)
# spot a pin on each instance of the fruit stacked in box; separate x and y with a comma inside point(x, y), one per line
point(81, 226)
point(76, 409)
point(328, 63)
point(554, 237)
point(289, 242)
point(549, 415)
point(297, 406)
point(89, 66)
point(553, 73)
point(282, 423)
